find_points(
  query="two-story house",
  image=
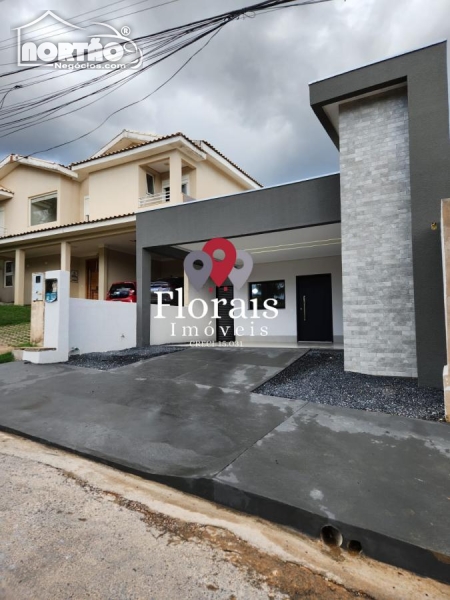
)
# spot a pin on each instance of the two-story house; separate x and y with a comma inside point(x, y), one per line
point(82, 217)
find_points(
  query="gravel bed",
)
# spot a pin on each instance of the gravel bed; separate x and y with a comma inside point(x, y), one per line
point(113, 359)
point(319, 377)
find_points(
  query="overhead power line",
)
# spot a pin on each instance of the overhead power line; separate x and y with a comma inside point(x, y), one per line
point(86, 134)
point(155, 48)
point(61, 30)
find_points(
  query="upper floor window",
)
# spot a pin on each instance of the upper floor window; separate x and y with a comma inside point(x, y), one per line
point(150, 183)
point(8, 273)
point(43, 209)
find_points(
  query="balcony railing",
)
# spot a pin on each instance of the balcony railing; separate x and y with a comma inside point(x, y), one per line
point(153, 199)
point(161, 198)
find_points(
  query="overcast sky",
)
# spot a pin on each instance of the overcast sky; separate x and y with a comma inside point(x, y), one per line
point(247, 92)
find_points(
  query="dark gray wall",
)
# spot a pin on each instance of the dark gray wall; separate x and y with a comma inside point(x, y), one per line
point(290, 206)
point(425, 72)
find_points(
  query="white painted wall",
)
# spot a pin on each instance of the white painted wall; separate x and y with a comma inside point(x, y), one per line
point(99, 326)
point(285, 325)
point(56, 324)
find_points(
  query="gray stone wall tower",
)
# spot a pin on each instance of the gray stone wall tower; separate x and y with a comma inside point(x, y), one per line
point(379, 314)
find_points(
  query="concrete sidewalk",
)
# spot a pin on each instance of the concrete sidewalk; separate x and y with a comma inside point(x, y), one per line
point(190, 420)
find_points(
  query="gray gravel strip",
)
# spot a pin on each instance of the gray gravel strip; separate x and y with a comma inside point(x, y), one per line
point(319, 377)
point(120, 358)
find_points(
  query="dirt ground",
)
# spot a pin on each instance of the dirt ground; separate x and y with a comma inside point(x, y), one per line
point(76, 529)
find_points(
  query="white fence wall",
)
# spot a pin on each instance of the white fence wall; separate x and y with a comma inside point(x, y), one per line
point(98, 326)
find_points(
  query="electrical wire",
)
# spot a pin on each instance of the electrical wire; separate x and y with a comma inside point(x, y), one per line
point(161, 53)
point(91, 131)
point(39, 119)
point(61, 31)
point(196, 25)
point(155, 48)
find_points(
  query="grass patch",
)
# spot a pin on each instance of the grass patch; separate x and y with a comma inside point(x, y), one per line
point(14, 315)
point(6, 358)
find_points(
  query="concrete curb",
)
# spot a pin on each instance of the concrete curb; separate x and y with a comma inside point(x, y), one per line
point(383, 548)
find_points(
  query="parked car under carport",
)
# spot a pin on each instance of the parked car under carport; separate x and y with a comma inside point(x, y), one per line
point(126, 291)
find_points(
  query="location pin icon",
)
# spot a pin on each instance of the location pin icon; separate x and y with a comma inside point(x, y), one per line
point(239, 276)
point(221, 268)
point(198, 277)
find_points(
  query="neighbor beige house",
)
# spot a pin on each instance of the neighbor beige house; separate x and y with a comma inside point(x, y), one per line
point(82, 218)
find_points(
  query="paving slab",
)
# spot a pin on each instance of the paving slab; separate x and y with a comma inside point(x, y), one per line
point(191, 420)
point(380, 480)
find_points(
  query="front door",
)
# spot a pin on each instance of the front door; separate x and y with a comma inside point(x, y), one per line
point(92, 279)
point(225, 324)
point(314, 308)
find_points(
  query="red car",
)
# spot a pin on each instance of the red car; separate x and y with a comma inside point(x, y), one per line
point(123, 291)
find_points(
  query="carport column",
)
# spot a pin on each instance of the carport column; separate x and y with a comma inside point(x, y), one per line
point(143, 315)
point(102, 272)
point(65, 256)
point(19, 277)
point(175, 178)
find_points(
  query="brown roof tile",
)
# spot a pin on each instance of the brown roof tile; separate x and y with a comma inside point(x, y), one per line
point(135, 145)
point(66, 225)
point(162, 138)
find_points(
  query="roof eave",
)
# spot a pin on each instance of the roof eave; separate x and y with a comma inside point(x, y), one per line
point(14, 160)
point(124, 134)
point(63, 231)
point(134, 153)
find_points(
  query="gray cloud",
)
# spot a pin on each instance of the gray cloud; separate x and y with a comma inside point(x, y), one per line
point(247, 92)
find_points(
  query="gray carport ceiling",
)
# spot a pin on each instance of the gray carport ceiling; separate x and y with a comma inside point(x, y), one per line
point(295, 205)
point(293, 244)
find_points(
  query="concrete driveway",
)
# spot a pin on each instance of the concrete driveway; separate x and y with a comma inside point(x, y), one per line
point(190, 420)
point(187, 414)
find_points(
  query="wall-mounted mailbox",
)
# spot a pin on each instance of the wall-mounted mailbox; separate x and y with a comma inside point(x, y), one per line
point(51, 290)
point(37, 287)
